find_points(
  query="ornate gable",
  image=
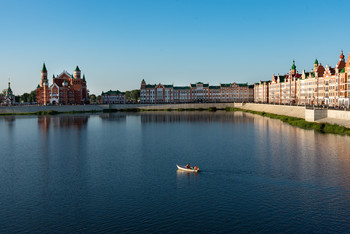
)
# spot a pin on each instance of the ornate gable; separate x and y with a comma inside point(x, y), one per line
point(64, 75)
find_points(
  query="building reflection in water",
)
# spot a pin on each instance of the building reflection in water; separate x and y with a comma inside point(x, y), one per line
point(69, 121)
point(113, 116)
point(195, 116)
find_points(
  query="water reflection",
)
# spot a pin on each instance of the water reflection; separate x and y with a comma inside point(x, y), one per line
point(203, 116)
point(68, 121)
point(181, 175)
point(113, 116)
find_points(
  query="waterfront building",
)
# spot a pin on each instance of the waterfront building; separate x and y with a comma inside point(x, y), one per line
point(65, 88)
point(261, 92)
point(321, 86)
point(195, 93)
point(9, 97)
point(113, 97)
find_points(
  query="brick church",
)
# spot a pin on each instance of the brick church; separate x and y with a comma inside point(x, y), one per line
point(65, 88)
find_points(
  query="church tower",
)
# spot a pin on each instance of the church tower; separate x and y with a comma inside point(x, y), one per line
point(143, 84)
point(43, 76)
point(293, 70)
point(77, 73)
point(315, 65)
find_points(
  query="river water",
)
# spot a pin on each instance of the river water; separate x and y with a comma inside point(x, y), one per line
point(117, 173)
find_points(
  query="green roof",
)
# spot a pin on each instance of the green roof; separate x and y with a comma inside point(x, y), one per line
point(316, 62)
point(44, 68)
point(225, 85)
point(293, 66)
point(112, 92)
point(214, 87)
point(77, 69)
point(150, 86)
point(53, 76)
point(84, 78)
point(243, 85)
point(168, 86)
point(342, 70)
point(38, 86)
point(181, 87)
point(201, 83)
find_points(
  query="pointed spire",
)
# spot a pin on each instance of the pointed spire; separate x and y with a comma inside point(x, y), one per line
point(84, 78)
point(44, 68)
point(77, 69)
point(342, 55)
point(293, 66)
point(53, 76)
point(316, 62)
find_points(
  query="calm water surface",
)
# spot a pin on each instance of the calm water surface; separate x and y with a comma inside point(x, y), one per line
point(117, 173)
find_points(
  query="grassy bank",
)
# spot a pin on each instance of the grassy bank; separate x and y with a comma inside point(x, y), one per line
point(299, 122)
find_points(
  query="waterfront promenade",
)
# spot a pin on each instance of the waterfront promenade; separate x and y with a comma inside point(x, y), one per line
point(339, 117)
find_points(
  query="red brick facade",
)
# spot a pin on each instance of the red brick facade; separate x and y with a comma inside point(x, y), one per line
point(65, 88)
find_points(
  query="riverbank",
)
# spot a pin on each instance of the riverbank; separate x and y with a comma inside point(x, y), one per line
point(300, 122)
point(327, 121)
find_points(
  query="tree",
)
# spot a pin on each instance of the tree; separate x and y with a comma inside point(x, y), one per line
point(32, 96)
point(24, 97)
point(133, 95)
point(92, 98)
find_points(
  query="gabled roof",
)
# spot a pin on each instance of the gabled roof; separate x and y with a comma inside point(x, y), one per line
point(62, 73)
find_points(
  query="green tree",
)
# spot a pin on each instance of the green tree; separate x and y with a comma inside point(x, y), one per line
point(92, 98)
point(32, 97)
point(133, 95)
point(24, 97)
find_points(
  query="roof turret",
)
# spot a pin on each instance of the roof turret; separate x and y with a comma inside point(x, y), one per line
point(316, 62)
point(293, 66)
point(44, 68)
point(77, 69)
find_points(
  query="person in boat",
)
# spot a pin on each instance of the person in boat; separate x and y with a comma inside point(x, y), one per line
point(188, 165)
point(196, 168)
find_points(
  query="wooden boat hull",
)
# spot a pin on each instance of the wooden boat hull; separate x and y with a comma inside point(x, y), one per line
point(183, 168)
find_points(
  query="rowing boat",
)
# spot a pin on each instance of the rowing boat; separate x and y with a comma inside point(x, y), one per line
point(184, 168)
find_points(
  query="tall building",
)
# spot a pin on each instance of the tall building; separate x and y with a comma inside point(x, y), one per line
point(321, 86)
point(195, 93)
point(65, 88)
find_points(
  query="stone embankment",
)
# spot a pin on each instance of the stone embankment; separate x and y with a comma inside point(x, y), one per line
point(339, 117)
point(35, 108)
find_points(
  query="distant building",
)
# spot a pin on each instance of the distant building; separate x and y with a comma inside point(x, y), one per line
point(8, 98)
point(321, 86)
point(195, 93)
point(65, 88)
point(113, 97)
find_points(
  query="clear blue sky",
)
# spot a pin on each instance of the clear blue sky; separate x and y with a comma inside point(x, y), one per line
point(119, 43)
